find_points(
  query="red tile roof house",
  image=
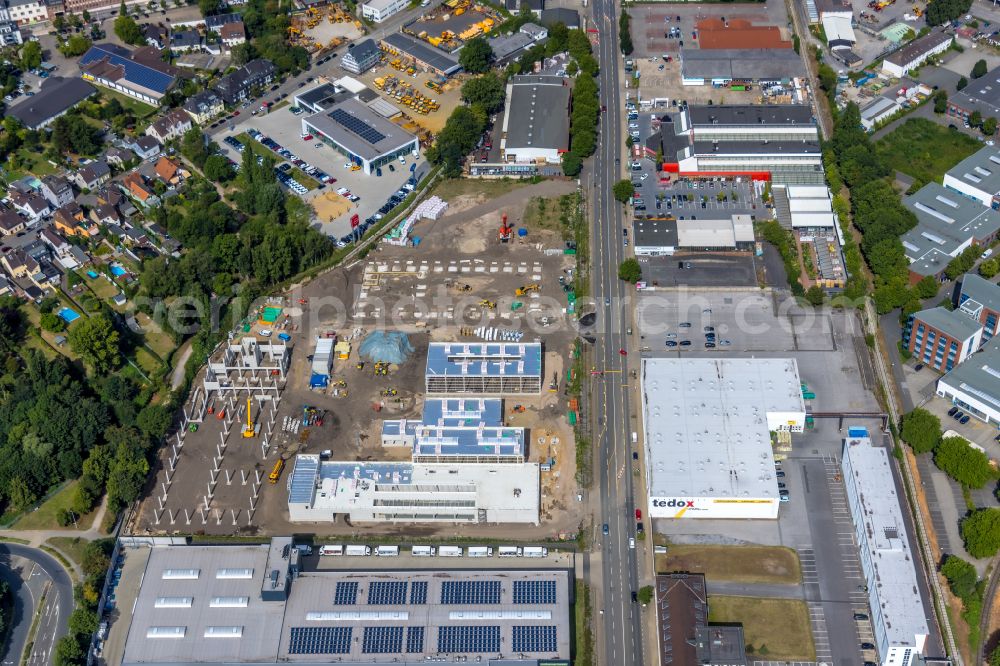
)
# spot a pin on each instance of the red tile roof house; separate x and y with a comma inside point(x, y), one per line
point(11, 223)
point(136, 187)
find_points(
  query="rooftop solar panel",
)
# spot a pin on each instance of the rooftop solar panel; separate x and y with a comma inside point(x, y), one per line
point(534, 638)
point(320, 640)
point(382, 640)
point(387, 593)
point(464, 592)
point(135, 72)
point(475, 639)
point(534, 591)
point(357, 126)
point(418, 592)
point(414, 640)
point(346, 593)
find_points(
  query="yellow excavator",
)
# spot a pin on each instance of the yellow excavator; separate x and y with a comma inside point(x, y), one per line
point(489, 305)
point(248, 429)
point(521, 291)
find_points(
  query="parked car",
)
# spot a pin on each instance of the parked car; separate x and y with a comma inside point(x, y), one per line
point(604, 529)
point(964, 419)
point(952, 411)
point(860, 616)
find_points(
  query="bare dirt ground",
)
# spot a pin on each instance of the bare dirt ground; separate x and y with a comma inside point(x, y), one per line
point(354, 405)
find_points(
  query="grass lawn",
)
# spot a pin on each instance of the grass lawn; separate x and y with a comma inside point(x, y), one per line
point(925, 150)
point(304, 179)
point(35, 163)
point(44, 517)
point(777, 629)
point(140, 109)
point(146, 361)
point(158, 341)
point(71, 547)
point(100, 285)
point(741, 564)
point(454, 187)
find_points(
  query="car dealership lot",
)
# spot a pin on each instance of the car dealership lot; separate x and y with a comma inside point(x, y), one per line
point(284, 128)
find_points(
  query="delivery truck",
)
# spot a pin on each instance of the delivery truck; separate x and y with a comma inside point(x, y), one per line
point(358, 551)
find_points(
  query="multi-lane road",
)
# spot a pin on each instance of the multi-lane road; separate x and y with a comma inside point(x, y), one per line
point(621, 635)
point(32, 575)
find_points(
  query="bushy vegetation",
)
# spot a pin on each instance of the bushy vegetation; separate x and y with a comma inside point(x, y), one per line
point(772, 232)
point(981, 532)
point(71, 650)
point(586, 105)
point(921, 430)
point(964, 583)
point(630, 270)
point(625, 33)
point(956, 457)
point(943, 11)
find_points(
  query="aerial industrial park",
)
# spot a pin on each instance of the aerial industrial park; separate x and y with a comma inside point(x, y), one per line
point(534, 332)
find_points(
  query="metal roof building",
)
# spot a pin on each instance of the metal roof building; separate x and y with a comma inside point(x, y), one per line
point(56, 96)
point(360, 134)
point(319, 491)
point(127, 72)
point(704, 66)
point(205, 604)
point(457, 430)
point(975, 384)
point(887, 558)
point(707, 434)
point(536, 119)
point(422, 53)
point(484, 368)
point(977, 176)
point(947, 223)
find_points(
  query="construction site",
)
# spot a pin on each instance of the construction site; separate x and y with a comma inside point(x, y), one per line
point(322, 369)
point(450, 25)
point(321, 30)
point(425, 98)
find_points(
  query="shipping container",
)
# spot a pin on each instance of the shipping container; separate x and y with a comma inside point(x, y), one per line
point(334, 550)
point(450, 551)
point(358, 550)
point(387, 551)
point(536, 551)
point(422, 551)
point(480, 551)
point(509, 551)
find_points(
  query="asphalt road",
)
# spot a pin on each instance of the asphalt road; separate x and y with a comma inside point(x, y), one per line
point(622, 622)
point(37, 570)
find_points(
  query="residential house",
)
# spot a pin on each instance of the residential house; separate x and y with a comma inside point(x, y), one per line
point(118, 157)
point(92, 175)
point(182, 41)
point(941, 338)
point(113, 196)
point(216, 22)
point(169, 171)
point(361, 57)
point(31, 204)
point(234, 88)
point(11, 223)
point(685, 635)
point(204, 106)
point(140, 74)
point(106, 214)
point(912, 55)
point(146, 146)
point(54, 240)
point(24, 12)
point(233, 34)
point(71, 221)
point(55, 98)
point(56, 190)
point(135, 186)
point(156, 35)
point(170, 125)
point(18, 263)
point(6, 286)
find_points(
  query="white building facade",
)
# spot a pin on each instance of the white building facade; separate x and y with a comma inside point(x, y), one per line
point(380, 10)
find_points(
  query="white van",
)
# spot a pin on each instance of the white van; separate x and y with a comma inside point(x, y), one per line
point(387, 551)
point(358, 551)
point(480, 551)
point(334, 550)
point(536, 551)
point(450, 551)
point(987, 254)
point(422, 551)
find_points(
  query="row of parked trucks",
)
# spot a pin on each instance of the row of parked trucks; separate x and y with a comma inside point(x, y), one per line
point(337, 550)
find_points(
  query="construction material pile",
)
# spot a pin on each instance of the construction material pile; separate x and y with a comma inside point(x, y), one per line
point(430, 209)
point(390, 347)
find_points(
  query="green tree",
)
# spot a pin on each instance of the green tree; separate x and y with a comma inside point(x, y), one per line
point(128, 30)
point(975, 119)
point(68, 652)
point(96, 340)
point(940, 101)
point(955, 457)
point(208, 7)
point(815, 295)
point(21, 495)
point(981, 532)
point(989, 127)
point(623, 190)
point(645, 595)
point(83, 621)
point(487, 91)
point(979, 69)
point(52, 323)
point(927, 287)
point(75, 46)
point(217, 169)
point(128, 468)
point(31, 55)
point(989, 268)
point(476, 56)
point(625, 33)
point(995, 656)
point(630, 270)
point(962, 83)
point(921, 430)
point(961, 576)
point(572, 164)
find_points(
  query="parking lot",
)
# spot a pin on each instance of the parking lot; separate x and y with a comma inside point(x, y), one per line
point(747, 320)
point(707, 198)
point(701, 270)
point(372, 191)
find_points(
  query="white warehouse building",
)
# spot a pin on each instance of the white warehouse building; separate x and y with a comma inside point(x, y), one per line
point(888, 560)
point(380, 10)
point(707, 434)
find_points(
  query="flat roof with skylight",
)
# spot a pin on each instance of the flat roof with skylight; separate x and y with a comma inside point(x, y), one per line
point(707, 424)
point(947, 222)
point(977, 176)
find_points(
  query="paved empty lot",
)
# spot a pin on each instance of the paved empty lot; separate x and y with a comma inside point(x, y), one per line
point(705, 270)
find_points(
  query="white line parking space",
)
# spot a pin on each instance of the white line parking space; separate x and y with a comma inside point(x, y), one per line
point(820, 637)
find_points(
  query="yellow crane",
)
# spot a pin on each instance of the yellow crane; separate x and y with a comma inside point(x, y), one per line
point(248, 430)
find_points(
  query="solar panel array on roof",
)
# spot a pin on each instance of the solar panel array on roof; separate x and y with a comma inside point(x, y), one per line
point(320, 640)
point(346, 593)
point(414, 640)
point(418, 593)
point(356, 125)
point(534, 638)
point(457, 592)
point(469, 639)
point(534, 591)
point(135, 73)
point(303, 481)
point(387, 593)
point(382, 640)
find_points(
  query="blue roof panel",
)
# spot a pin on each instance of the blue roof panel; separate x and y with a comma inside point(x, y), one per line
point(302, 482)
point(495, 359)
point(136, 73)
